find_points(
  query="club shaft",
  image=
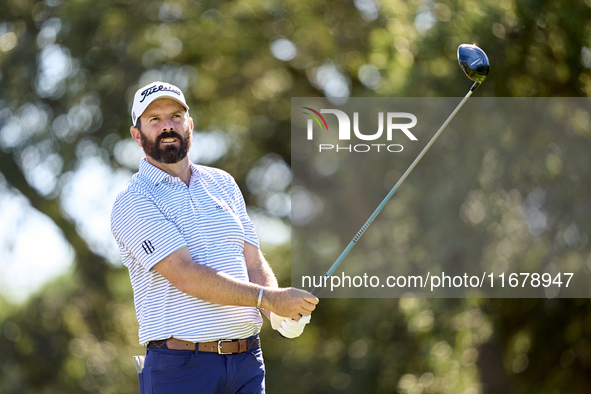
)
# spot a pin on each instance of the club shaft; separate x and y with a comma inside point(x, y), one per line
point(345, 252)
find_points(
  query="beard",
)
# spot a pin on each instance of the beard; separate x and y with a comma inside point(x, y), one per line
point(169, 154)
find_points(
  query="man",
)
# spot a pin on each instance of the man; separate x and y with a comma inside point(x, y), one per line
point(198, 276)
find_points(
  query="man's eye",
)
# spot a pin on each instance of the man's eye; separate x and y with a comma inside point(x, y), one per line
point(153, 119)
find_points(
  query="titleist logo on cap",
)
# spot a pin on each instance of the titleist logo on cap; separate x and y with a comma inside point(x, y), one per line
point(159, 88)
point(153, 91)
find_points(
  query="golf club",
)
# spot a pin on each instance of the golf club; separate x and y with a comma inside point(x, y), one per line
point(475, 64)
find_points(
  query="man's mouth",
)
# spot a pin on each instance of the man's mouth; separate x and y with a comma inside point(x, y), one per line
point(168, 140)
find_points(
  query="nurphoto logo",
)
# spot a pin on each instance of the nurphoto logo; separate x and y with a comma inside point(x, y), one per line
point(395, 126)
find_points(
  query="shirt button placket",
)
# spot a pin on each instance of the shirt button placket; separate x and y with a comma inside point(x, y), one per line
point(199, 219)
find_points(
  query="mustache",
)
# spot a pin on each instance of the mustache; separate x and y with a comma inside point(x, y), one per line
point(169, 134)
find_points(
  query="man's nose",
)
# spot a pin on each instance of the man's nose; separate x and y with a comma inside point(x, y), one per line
point(167, 124)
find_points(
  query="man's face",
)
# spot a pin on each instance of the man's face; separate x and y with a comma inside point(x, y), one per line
point(166, 131)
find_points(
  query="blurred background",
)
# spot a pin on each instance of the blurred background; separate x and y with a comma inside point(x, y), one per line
point(68, 71)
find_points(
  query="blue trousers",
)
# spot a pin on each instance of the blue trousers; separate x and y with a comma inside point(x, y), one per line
point(184, 371)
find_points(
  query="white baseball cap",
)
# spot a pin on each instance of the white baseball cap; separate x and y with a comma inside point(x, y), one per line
point(152, 91)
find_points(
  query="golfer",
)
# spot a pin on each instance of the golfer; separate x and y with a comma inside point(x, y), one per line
point(198, 277)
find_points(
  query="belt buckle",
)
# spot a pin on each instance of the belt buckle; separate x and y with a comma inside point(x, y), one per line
point(220, 345)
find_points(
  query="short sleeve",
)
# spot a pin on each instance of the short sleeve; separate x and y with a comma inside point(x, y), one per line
point(250, 235)
point(142, 231)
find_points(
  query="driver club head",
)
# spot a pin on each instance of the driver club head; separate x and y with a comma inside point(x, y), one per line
point(473, 61)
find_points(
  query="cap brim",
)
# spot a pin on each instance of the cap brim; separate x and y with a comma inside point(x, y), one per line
point(163, 95)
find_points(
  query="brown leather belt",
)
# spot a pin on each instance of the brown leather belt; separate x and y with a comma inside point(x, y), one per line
point(222, 346)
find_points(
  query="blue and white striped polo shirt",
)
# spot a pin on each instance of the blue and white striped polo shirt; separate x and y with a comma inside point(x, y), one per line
point(157, 214)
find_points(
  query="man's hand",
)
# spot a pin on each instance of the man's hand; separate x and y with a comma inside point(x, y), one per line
point(287, 327)
point(289, 302)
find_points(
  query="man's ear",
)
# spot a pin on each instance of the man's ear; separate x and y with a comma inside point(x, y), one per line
point(135, 133)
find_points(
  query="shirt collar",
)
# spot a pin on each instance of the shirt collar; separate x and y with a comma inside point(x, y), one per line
point(156, 175)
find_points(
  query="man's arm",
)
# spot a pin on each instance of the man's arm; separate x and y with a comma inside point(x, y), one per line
point(210, 285)
point(259, 271)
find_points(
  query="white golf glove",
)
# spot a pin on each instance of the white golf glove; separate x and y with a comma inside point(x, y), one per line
point(288, 327)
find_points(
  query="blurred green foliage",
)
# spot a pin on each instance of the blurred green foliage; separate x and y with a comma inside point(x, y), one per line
point(68, 69)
